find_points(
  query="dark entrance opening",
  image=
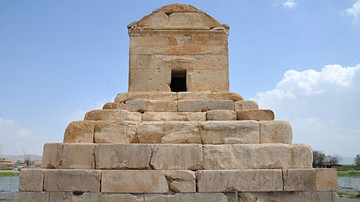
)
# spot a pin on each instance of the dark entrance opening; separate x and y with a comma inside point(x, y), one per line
point(178, 80)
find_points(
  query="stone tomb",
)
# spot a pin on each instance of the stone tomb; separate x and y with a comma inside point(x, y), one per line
point(178, 134)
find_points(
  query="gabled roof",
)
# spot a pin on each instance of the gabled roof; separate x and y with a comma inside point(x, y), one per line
point(178, 16)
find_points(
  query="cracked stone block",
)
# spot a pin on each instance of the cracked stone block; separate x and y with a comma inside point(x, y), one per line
point(258, 115)
point(31, 180)
point(239, 180)
point(151, 105)
point(113, 114)
point(79, 132)
point(275, 132)
point(221, 115)
point(174, 116)
point(204, 105)
point(229, 132)
point(123, 156)
point(115, 132)
point(175, 132)
point(176, 157)
point(69, 180)
point(256, 156)
point(244, 105)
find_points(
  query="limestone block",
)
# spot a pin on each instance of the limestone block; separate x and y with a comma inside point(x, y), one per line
point(79, 132)
point(299, 180)
point(151, 105)
point(114, 105)
point(209, 96)
point(174, 116)
point(229, 132)
point(209, 80)
point(256, 156)
point(239, 180)
point(52, 155)
point(275, 132)
point(74, 196)
point(33, 196)
point(181, 181)
point(174, 96)
point(168, 132)
point(204, 105)
point(77, 156)
point(121, 156)
point(146, 95)
point(115, 132)
point(326, 179)
point(188, 197)
point(221, 115)
point(142, 80)
point(72, 180)
point(176, 157)
point(122, 197)
point(134, 181)
point(58, 155)
point(259, 115)
point(31, 180)
point(308, 196)
point(113, 114)
point(246, 105)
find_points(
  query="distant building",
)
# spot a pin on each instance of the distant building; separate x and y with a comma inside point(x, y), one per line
point(5, 161)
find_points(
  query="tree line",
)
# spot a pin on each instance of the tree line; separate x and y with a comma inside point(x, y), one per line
point(319, 158)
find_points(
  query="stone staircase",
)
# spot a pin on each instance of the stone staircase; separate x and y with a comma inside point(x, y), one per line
point(178, 147)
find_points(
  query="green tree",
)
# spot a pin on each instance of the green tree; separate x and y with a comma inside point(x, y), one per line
point(357, 159)
point(318, 158)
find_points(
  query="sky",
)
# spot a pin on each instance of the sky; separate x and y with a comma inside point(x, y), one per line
point(300, 58)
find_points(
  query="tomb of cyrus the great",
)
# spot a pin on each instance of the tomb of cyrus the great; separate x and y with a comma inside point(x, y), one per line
point(178, 134)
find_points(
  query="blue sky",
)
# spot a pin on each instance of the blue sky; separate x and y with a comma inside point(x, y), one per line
point(60, 59)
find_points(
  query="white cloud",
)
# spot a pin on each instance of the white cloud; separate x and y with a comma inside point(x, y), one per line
point(355, 12)
point(322, 106)
point(15, 139)
point(289, 4)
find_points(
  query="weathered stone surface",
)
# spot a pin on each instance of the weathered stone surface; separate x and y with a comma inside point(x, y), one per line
point(326, 179)
point(174, 116)
point(168, 132)
point(299, 179)
point(77, 156)
point(151, 105)
point(208, 80)
point(79, 132)
point(188, 197)
point(31, 180)
point(220, 115)
point(94, 197)
point(275, 132)
point(70, 196)
point(259, 115)
point(204, 105)
point(33, 196)
point(174, 96)
point(181, 181)
point(63, 155)
point(114, 105)
point(239, 180)
point(134, 181)
point(229, 132)
point(246, 105)
point(123, 156)
point(52, 155)
point(115, 132)
point(113, 114)
point(176, 157)
point(256, 156)
point(309, 196)
point(72, 180)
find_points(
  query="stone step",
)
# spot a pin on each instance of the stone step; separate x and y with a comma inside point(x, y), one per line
point(178, 132)
point(309, 196)
point(175, 96)
point(167, 181)
point(176, 156)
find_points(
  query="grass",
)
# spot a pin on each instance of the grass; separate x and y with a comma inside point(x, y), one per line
point(353, 196)
point(9, 173)
point(349, 173)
